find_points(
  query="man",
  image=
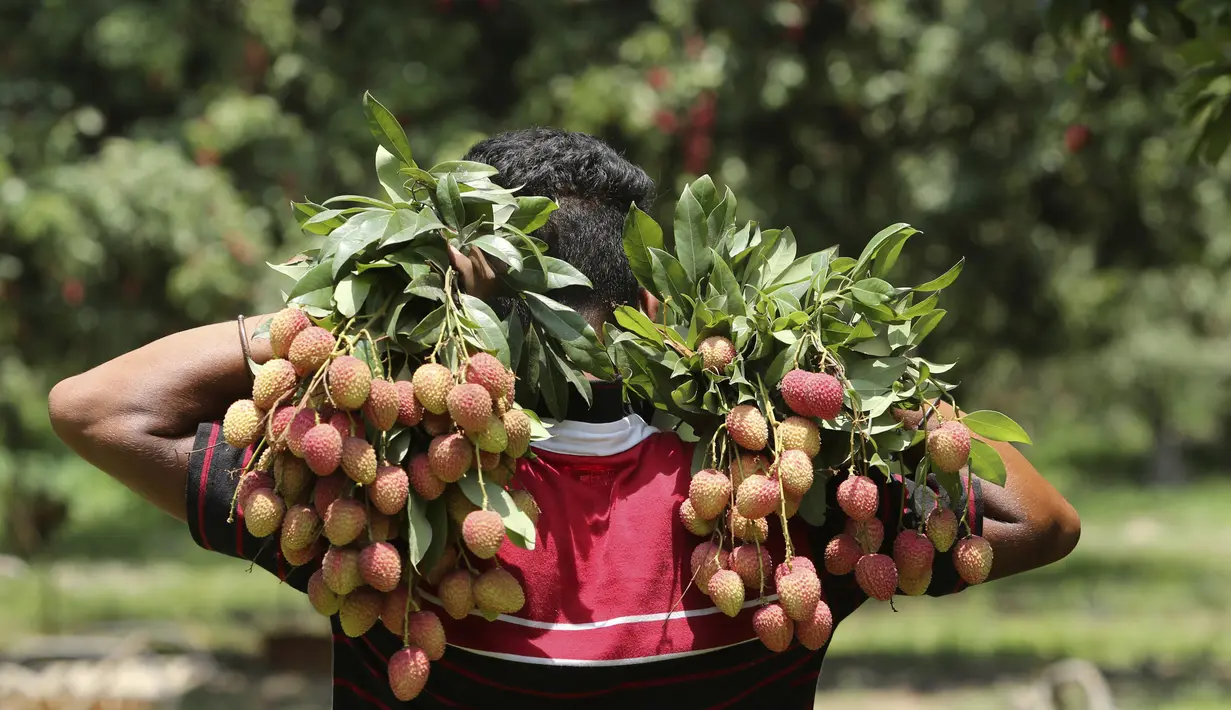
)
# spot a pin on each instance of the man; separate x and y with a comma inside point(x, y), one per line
point(609, 619)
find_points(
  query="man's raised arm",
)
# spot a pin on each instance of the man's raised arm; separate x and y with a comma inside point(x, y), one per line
point(135, 416)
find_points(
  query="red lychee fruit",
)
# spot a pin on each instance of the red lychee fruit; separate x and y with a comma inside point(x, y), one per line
point(859, 498)
point(745, 465)
point(410, 409)
point(300, 527)
point(432, 383)
point(343, 422)
point(381, 527)
point(345, 520)
point(717, 353)
point(483, 533)
point(707, 558)
point(358, 460)
point(757, 497)
point(877, 576)
point(426, 632)
point(340, 567)
point(812, 394)
point(910, 418)
point(747, 530)
point(773, 627)
point(301, 423)
point(425, 483)
point(709, 493)
point(941, 527)
point(755, 567)
point(814, 632)
point(841, 554)
point(273, 383)
point(408, 672)
point(298, 557)
point(275, 431)
point(394, 610)
point(949, 446)
point(263, 512)
point(794, 469)
point(1076, 136)
point(526, 504)
point(250, 482)
point(915, 585)
point(443, 565)
point(380, 566)
point(973, 559)
point(791, 565)
point(389, 490)
point(912, 553)
point(694, 523)
point(241, 426)
point(727, 591)
point(323, 599)
point(310, 349)
point(799, 433)
point(517, 431)
point(437, 424)
point(470, 405)
point(381, 407)
point(283, 327)
point(450, 456)
point(798, 592)
point(747, 427)
point(870, 534)
point(489, 373)
point(322, 449)
point(326, 491)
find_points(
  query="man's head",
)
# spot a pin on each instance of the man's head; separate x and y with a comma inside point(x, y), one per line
point(593, 187)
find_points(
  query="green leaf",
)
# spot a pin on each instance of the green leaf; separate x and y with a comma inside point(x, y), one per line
point(921, 308)
point(705, 191)
point(925, 325)
point(386, 129)
point(350, 294)
point(559, 320)
point(294, 271)
point(488, 324)
point(570, 375)
point(783, 363)
point(516, 523)
point(515, 335)
point(529, 367)
point(324, 222)
point(985, 462)
point(641, 233)
point(874, 246)
point(462, 170)
point(449, 202)
point(361, 231)
point(995, 426)
point(945, 279)
point(871, 292)
point(888, 254)
point(419, 533)
point(555, 273)
point(691, 237)
point(427, 330)
point(773, 258)
point(553, 389)
point(361, 200)
point(319, 277)
point(406, 225)
point(438, 516)
point(637, 322)
point(387, 169)
point(531, 213)
point(812, 507)
point(670, 279)
point(499, 248)
point(723, 281)
point(721, 218)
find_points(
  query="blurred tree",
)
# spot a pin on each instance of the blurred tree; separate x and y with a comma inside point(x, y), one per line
point(148, 151)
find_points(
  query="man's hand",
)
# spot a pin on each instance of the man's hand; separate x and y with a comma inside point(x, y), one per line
point(478, 276)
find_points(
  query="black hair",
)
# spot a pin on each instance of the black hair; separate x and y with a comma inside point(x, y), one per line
point(593, 186)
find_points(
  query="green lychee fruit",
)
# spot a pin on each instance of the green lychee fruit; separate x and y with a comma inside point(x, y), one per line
point(973, 559)
point(410, 409)
point(300, 527)
point(526, 504)
point(381, 527)
point(293, 477)
point(747, 427)
point(358, 460)
point(941, 527)
point(340, 569)
point(456, 590)
point(488, 460)
point(870, 534)
point(323, 599)
point(949, 447)
point(276, 427)
point(841, 554)
point(499, 475)
point(910, 418)
point(813, 633)
point(717, 353)
point(432, 383)
point(322, 449)
point(408, 673)
point(912, 553)
point(359, 611)
point(707, 558)
point(443, 566)
point(859, 498)
point(489, 373)
point(450, 457)
point(382, 406)
point(694, 523)
point(389, 489)
point(498, 591)
point(727, 591)
point(799, 592)
point(344, 423)
point(300, 556)
point(915, 585)
point(380, 566)
point(493, 438)
point(799, 433)
point(754, 566)
point(791, 565)
point(773, 627)
point(425, 631)
point(348, 382)
point(756, 530)
point(709, 492)
point(745, 465)
point(517, 429)
point(249, 483)
point(326, 491)
point(794, 469)
point(437, 424)
point(283, 327)
point(877, 576)
point(275, 382)
point(458, 505)
point(394, 610)
point(241, 426)
point(757, 497)
point(791, 505)
point(310, 350)
point(263, 512)
point(345, 520)
point(301, 423)
point(483, 533)
point(425, 483)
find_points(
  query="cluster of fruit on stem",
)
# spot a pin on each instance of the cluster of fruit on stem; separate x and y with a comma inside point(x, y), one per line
point(321, 481)
point(731, 509)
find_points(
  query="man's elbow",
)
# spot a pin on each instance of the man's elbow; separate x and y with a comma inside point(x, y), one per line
point(76, 406)
point(1062, 534)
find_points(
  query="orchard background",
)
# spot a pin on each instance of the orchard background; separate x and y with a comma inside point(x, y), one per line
point(149, 150)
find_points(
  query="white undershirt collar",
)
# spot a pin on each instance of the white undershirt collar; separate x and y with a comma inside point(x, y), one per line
point(594, 439)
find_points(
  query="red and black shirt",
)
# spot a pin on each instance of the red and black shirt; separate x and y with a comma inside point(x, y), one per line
point(607, 621)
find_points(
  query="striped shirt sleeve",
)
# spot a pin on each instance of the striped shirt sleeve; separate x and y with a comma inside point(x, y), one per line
point(214, 469)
